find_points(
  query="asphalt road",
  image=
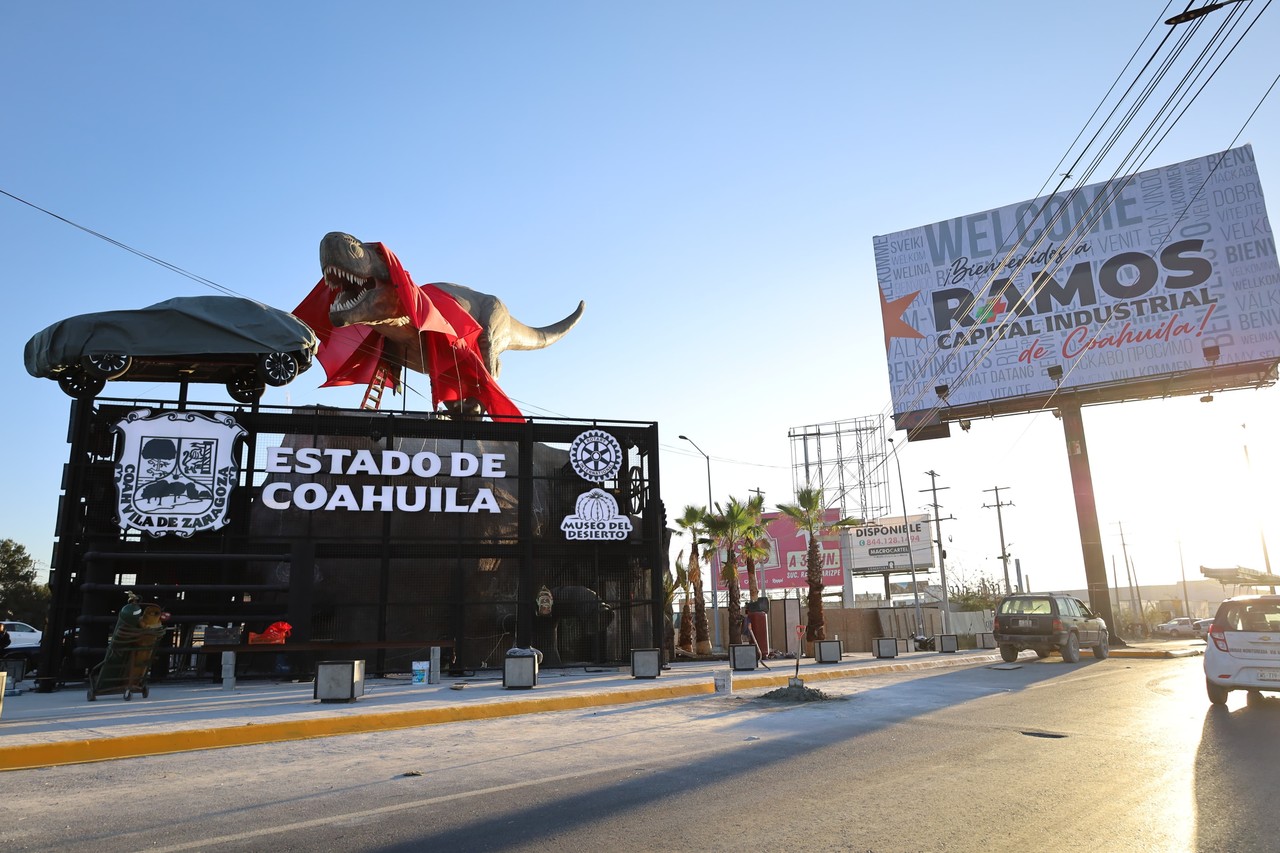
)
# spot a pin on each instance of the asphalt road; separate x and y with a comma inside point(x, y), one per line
point(1116, 755)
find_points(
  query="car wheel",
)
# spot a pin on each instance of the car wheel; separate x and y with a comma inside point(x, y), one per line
point(79, 384)
point(245, 388)
point(1008, 653)
point(1102, 651)
point(1217, 693)
point(1071, 649)
point(278, 368)
point(1042, 653)
point(1254, 697)
point(106, 365)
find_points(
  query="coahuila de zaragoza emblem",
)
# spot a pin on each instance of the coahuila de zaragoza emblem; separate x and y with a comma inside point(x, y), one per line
point(176, 471)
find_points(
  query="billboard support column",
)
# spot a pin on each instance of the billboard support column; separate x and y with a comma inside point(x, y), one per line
point(1095, 567)
point(846, 567)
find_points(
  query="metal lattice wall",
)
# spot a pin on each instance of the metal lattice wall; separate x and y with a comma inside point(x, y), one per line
point(383, 576)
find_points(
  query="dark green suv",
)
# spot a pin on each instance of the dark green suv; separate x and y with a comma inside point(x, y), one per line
point(1048, 622)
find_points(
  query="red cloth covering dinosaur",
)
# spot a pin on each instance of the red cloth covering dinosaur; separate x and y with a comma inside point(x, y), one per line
point(351, 355)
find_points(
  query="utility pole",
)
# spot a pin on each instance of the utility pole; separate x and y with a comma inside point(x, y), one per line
point(1133, 580)
point(1004, 555)
point(942, 553)
point(1115, 584)
point(1248, 469)
point(1186, 599)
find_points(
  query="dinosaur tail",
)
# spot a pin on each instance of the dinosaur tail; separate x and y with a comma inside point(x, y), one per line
point(529, 337)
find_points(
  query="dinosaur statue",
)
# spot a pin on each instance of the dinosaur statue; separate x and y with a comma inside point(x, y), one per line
point(358, 276)
point(367, 312)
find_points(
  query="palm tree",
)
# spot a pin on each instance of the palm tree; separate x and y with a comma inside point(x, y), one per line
point(727, 526)
point(755, 545)
point(693, 520)
point(807, 513)
point(685, 641)
point(670, 583)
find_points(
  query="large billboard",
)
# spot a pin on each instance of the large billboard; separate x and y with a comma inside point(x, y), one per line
point(1169, 275)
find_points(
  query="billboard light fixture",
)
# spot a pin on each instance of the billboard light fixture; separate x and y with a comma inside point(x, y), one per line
point(1055, 372)
point(942, 391)
point(1212, 352)
point(965, 424)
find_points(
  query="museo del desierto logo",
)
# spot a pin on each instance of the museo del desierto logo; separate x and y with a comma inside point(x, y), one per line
point(596, 456)
point(176, 471)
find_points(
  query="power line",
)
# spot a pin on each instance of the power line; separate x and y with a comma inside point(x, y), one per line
point(120, 245)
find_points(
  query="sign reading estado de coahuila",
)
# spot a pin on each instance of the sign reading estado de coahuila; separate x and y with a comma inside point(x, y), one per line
point(411, 496)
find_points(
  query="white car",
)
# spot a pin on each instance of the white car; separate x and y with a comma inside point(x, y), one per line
point(1183, 626)
point(22, 635)
point(24, 643)
point(1242, 651)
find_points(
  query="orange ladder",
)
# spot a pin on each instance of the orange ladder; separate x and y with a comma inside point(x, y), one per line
point(382, 377)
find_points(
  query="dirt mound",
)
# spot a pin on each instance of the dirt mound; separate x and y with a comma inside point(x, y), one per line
point(796, 694)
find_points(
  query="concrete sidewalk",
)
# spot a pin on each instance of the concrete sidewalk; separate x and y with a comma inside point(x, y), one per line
point(63, 727)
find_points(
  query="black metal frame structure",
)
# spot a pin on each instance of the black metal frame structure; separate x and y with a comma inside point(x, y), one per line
point(384, 580)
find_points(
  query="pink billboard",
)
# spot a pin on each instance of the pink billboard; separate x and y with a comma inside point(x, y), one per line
point(785, 567)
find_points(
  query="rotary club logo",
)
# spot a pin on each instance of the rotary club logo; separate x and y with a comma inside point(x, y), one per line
point(595, 456)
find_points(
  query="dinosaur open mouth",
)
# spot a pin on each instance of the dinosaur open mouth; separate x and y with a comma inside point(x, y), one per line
point(348, 287)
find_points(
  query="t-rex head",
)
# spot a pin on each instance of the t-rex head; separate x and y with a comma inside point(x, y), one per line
point(357, 276)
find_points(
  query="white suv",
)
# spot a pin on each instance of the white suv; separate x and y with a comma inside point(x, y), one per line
point(22, 635)
point(1242, 650)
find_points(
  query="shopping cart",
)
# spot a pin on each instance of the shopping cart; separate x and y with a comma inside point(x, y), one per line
point(129, 653)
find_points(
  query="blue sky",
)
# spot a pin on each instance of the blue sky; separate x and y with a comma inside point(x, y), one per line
point(707, 176)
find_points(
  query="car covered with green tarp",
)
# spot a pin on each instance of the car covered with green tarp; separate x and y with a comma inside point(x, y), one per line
point(221, 339)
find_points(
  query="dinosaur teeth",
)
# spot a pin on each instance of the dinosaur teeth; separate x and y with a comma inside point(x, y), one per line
point(331, 273)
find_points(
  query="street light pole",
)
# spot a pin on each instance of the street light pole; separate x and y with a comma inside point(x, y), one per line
point(906, 529)
point(942, 553)
point(715, 591)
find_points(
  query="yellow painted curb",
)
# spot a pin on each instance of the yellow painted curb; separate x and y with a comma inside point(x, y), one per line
point(1156, 653)
point(27, 756)
point(836, 671)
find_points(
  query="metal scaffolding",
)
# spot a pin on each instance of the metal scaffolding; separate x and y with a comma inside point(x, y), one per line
point(846, 459)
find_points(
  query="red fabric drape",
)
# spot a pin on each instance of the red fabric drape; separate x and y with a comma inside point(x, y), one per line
point(450, 336)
